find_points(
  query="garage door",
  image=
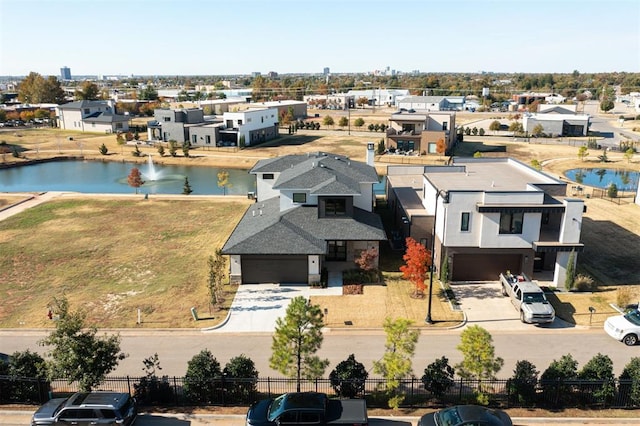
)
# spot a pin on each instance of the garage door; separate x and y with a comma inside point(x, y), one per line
point(274, 269)
point(483, 267)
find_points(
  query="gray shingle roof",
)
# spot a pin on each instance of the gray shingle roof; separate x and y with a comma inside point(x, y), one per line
point(105, 117)
point(298, 230)
point(83, 104)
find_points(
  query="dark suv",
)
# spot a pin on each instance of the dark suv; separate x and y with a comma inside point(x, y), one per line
point(88, 408)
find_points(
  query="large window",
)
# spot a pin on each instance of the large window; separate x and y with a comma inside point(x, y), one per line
point(335, 207)
point(336, 250)
point(464, 221)
point(511, 223)
point(267, 176)
point(299, 197)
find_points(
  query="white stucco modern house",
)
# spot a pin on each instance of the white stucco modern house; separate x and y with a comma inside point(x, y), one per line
point(490, 215)
point(312, 211)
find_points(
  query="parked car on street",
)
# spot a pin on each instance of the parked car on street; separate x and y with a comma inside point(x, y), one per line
point(466, 415)
point(88, 408)
point(624, 328)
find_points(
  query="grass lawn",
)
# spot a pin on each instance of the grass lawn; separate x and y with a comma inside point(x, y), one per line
point(112, 257)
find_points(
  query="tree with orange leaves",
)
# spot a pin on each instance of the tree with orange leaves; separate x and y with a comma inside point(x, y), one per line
point(418, 261)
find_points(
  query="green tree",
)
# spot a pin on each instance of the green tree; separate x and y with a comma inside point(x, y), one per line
point(223, 181)
point(516, 127)
point(152, 389)
point(25, 364)
point(537, 130)
point(494, 126)
point(327, 120)
point(571, 271)
point(103, 149)
point(343, 122)
point(553, 378)
point(242, 143)
point(136, 151)
point(202, 377)
point(381, 147)
point(438, 377)
point(161, 150)
point(600, 369)
point(358, 122)
point(479, 361)
point(120, 141)
point(186, 188)
point(296, 340)
point(88, 91)
point(522, 385)
point(630, 380)
point(628, 154)
point(186, 146)
point(135, 179)
point(348, 378)
point(216, 264)
point(148, 93)
point(242, 378)
point(35, 89)
point(77, 353)
point(395, 364)
point(536, 164)
point(481, 131)
point(583, 153)
point(173, 148)
point(612, 190)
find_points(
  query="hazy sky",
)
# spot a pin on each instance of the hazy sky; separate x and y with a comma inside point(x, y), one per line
point(188, 37)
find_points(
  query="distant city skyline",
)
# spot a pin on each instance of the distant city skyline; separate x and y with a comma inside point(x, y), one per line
point(230, 37)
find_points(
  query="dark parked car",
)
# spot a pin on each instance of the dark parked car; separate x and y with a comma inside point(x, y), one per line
point(466, 415)
point(88, 408)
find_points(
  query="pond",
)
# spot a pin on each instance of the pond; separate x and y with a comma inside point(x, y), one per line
point(111, 177)
point(625, 180)
point(93, 177)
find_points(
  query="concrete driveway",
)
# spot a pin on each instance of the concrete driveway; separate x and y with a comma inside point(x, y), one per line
point(256, 307)
point(484, 305)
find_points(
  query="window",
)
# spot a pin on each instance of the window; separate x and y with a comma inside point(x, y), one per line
point(464, 221)
point(299, 197)
point(239, 122)
point(118, 125)
point(336, 250)
point(194, 139)
point(86, 111)
point(444, 126)
point(166, 119)
point(248, 119)
point(511, 223)
point(335, 207)
point(207, 139)
point(267, 176)
point(432, 148)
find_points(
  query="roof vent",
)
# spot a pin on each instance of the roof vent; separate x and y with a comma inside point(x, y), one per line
point(260, 212)
point(254, 213)
point(313, 164)
point(493, 184)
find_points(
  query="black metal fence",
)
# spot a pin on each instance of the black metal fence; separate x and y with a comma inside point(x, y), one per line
point(222, 391)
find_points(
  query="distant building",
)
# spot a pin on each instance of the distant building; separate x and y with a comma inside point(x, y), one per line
point(325, 71)
point(420, 132)
point(91, 116)
point(65, 73)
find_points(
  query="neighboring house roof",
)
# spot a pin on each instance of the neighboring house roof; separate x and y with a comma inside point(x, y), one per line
point(105, 117)
point(317, 170)
point(423, 99)
point(266, 230)
point(83, 104)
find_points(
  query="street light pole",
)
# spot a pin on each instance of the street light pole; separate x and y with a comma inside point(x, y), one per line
point(349, 118)
point(428, 319)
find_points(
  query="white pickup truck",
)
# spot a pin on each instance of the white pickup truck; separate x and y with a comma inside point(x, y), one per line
point(528, 298)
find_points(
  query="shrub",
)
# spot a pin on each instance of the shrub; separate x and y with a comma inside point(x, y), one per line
point(151, 389)
point(630, 380)
point(522, 385)
point(136, 152)
point(600, 368)
point(241, 367)
point(201, 380)
point(103, 149)
point(348, 378)
point(438, 377)
point(612, 191)
point(623, 296)
point(584, 283)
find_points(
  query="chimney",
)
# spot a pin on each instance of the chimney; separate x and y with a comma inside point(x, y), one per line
point(370, 154)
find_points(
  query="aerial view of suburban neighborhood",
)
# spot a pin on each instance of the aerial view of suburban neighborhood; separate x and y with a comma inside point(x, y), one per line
point(326, 213)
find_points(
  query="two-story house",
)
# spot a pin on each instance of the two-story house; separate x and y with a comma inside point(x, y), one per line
point(91, 116)
point(253, 125)
point(312, 211)
point(420, 132)
point(489, 215)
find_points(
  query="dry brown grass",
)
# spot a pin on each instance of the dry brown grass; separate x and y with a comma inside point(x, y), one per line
point(378, 302)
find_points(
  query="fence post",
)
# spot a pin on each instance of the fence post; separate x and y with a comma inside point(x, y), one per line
point(129, 384)
point(269, 387)
point(175, 391)
point(460, 392)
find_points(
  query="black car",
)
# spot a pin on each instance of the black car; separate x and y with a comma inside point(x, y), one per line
point(88, 408)
point(466, 415)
